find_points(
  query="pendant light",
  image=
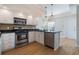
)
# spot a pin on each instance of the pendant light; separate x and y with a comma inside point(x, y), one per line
point(51, 9)
point(45, 11)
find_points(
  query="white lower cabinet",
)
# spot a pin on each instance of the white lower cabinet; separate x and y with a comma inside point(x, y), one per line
point(57, 40)
point(31, 22)
point(39, 37)
point(8, 41)
point(31, 36)
point(36, 36)
point(0, 45)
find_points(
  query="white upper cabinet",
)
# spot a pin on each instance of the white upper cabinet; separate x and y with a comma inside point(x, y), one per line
point(7, 21)
point(6, 16)
point(31, 21)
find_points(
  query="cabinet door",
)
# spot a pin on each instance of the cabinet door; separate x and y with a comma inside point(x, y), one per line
point(40, 37)
point(8, 41)
point(57, 40)
point(31, 22)
point(7, 21)
point(0, 46)
point(31, 37)
point(37, 36)
point(6, 17)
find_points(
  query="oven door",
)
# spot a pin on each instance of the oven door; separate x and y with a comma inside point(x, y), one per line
point(21, 38)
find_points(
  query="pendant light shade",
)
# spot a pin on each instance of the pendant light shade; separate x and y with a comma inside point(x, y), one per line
point(51, 9)
point(45, 11)
point(49, 17)
point(51, 12)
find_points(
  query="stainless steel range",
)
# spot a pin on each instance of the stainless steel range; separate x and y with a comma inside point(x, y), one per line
point(21, 37)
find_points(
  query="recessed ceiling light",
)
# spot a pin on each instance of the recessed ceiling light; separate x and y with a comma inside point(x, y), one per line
point(5, 7)
point(30, 17)
point(20, 14)
point(4, 11)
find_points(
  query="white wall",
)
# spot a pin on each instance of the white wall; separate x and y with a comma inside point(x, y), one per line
point(59, 25)
point(67, 25)
point(40, 22)
point(70, 26)
point(77, 26)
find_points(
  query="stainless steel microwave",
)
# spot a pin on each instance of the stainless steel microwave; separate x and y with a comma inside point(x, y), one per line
point(20, 21)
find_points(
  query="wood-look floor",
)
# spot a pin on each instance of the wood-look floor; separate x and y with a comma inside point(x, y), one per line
point(67, 48)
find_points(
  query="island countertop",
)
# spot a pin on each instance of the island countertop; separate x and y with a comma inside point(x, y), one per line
point(38, 30)
point(53, 31)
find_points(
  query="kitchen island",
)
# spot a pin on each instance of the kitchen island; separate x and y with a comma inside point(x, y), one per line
point(52, 39)
point(46, 38)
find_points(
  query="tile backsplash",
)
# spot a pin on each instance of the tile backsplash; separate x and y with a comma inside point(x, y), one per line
point(10, 27)
point(5, 27)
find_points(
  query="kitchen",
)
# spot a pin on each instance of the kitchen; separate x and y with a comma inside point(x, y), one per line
point(21, 25)
point(19, 31)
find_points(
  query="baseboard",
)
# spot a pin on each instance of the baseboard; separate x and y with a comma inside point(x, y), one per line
point(40, 43)
point(32, 42)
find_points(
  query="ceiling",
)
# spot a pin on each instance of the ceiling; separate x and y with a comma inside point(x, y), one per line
point(34, 9)
point(26, 9)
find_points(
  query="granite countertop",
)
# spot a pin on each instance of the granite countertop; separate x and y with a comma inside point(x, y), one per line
point(10, 31)
point(53, 31)
point(46, 31)
point(14, 30)
point(7, 31)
